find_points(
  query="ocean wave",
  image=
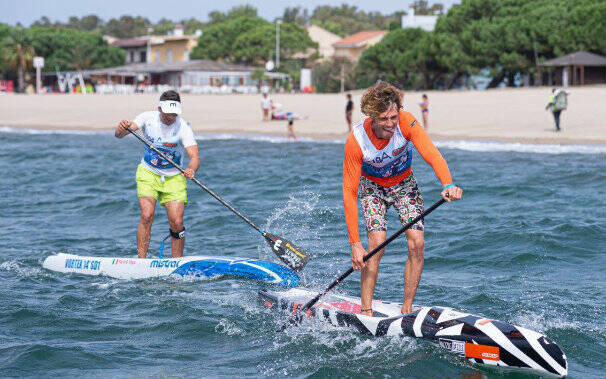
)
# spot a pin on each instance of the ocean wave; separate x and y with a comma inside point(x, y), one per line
point(11, 130)
point(492, 146)
point(466, 145)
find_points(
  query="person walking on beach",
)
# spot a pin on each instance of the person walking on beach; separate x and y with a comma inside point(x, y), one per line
point(158, 179)
point(425, 111)
point(379, 151)
point(558, 101)
point(266, 106)
point(348, 111)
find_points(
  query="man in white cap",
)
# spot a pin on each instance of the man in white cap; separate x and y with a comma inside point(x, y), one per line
point(158, 179)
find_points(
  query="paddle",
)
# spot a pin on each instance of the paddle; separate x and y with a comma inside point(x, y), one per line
point(291, 255)
point(297, 318)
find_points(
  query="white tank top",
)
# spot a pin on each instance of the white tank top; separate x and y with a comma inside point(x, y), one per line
point(390, 161)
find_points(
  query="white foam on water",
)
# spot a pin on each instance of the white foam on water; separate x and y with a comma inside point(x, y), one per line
point(228, 327)
point(20, 269)
point(466, 145)
point(271, 138)
point(541, 322)
point(491, 146)
point(8, 129)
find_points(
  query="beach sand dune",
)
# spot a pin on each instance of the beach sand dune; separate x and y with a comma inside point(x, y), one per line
point(502, 114)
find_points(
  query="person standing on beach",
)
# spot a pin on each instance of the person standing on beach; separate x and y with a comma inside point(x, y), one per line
point(158, 179)
point(266, 105)
point(425, 111)
point(348, 111)
point(558, 101)
point(379, 151)
point(291, 129)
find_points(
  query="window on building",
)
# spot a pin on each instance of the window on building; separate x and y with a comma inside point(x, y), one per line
point(186, 55)
point(157, 55)
point(169, 55)
point(143, 56)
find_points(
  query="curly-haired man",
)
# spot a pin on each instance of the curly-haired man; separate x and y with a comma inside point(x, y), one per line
point(379, 150)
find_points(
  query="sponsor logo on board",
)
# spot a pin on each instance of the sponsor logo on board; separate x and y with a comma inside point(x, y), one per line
point(119, 261)
point(453, 345)
point(83, 264)
point(162, 263)
point(491, 353)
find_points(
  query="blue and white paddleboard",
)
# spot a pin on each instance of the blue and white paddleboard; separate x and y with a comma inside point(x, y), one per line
point(193, 266)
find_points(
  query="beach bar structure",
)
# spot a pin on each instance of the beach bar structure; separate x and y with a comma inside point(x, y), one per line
point(578, 68)
point(202, 76)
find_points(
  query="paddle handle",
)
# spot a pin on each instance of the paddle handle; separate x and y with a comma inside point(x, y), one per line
point(313, 301)
point(205, 188)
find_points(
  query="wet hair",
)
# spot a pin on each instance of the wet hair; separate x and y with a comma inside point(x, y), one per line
point(170, 95)
point(378, 98)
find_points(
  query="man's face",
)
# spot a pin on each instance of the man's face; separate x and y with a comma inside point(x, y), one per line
point(167, 118)
point(385, 124)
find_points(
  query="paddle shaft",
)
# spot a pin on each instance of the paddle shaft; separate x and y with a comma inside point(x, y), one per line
point(311, 303)
point(205, 188)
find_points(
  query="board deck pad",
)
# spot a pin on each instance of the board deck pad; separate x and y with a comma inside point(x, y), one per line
point(477, 339)
point(190, 266)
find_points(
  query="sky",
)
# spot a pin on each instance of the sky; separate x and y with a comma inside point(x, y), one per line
point(28, 11)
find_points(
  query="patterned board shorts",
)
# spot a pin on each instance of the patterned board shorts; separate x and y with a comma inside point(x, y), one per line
point(404, 196)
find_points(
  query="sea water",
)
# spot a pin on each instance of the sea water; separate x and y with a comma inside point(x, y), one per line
point(526, 245)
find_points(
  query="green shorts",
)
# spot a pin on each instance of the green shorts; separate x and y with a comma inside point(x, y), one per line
point(173, 188)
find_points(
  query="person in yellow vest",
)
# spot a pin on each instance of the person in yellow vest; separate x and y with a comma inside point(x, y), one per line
point(558, 101)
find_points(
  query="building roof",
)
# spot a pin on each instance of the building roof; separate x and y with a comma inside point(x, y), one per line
point(160, 67)
point(579, 58)
point(359, 39)
point(193, 65)
point(129, 42)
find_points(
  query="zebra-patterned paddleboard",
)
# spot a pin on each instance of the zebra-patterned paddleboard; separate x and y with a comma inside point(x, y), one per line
point(478, 339)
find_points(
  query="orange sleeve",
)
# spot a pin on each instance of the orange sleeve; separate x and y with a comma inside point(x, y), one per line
point(412, 130)
point(352, 169)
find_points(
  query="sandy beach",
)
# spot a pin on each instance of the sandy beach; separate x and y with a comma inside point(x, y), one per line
point(499, 115)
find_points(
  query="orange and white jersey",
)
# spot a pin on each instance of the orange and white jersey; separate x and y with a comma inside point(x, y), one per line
point(384, 161)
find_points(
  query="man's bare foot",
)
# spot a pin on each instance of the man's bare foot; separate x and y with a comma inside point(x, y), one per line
point(366, 312)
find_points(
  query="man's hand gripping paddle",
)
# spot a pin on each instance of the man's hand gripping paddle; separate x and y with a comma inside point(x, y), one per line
point(291, 255)
point(297, 316)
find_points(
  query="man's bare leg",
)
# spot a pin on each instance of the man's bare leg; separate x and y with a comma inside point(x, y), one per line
point(371, 271)
point(148, 207)
point(174, 211)
point(414, 267)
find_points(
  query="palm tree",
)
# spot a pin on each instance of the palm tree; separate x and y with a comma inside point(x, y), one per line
point(18, 52)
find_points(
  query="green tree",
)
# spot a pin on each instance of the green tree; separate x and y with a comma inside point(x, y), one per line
point(191, 25)
point(296, 15)
point(18, 52)
point(217, 40)
point(258, 45)
point(163, 27)
point(327, 75)
point(217, 17)
point(407, 57)
point(127, 27)
point(68, 49)
point(258, 75)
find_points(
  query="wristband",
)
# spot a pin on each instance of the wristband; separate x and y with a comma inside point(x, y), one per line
point(448, 186)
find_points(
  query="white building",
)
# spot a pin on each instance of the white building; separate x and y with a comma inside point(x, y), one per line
point(411, 20)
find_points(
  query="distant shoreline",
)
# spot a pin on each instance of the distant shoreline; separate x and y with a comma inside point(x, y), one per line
point(507, 115)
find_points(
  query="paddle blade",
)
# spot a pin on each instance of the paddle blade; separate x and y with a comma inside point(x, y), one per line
point(288, 253)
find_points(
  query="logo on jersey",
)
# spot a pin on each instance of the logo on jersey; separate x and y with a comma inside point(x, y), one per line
point(398, 151)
